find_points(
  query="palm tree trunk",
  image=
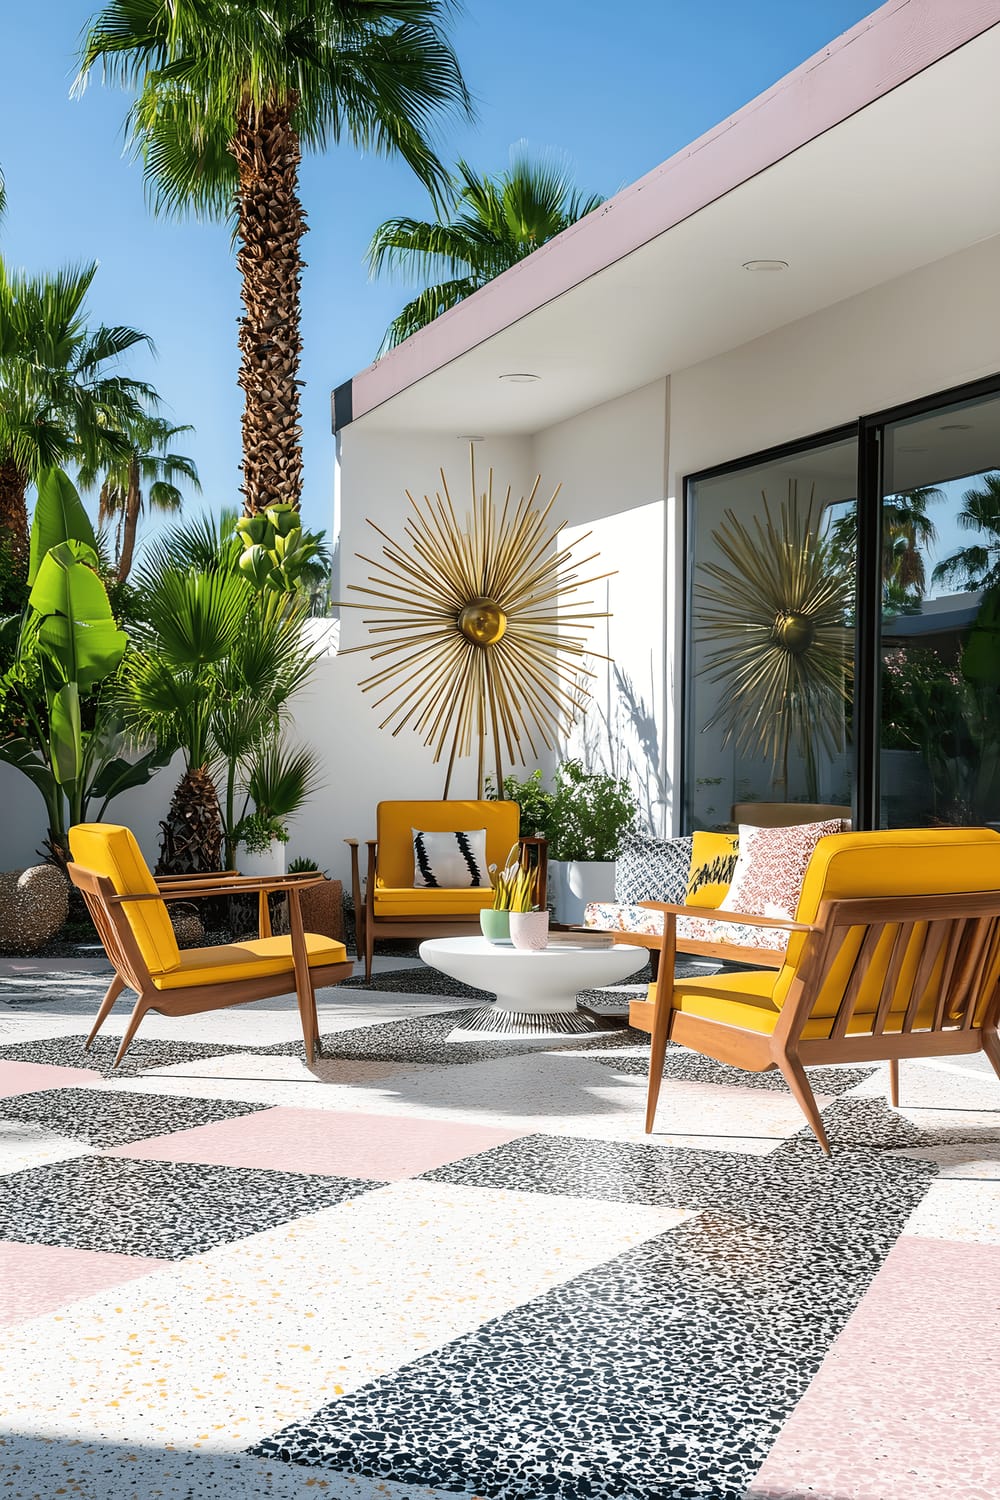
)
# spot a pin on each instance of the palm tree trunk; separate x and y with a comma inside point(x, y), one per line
point(133, 500)
point(14, 514)
point(271, 224)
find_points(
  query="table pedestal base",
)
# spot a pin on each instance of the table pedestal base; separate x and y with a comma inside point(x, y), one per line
point(499, 1021)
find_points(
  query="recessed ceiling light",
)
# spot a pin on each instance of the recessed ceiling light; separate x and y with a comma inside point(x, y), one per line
point(765, 265)
point(520, 377)
point(955, 427)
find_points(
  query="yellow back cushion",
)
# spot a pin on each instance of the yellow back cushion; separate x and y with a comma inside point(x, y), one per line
point(396, 821)
point(713, 860)
point(110, 850)
point(894, 862)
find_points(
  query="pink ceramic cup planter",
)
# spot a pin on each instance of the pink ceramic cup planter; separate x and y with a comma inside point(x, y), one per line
point(529, 930)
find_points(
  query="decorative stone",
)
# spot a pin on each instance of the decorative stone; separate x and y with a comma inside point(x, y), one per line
point(33, 906)
point(188, 928)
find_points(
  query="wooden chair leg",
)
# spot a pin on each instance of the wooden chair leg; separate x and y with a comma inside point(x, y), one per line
point(107, 1005)
point(141, 1008)
point(991, 1046)
point(664, 995)
point(894, 1082)
point(795, 1076)
point(369, 949)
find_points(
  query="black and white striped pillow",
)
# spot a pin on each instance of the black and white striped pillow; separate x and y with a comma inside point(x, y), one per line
point(450, 860)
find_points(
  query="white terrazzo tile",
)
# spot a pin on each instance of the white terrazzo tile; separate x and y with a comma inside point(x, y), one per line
point(23, 1145)
point(955, 1210)
point(938, 1082)
point(254, 1079)
point(550, 1092)
point(38, 1469)
point(975, 1159)
point(222, 1349)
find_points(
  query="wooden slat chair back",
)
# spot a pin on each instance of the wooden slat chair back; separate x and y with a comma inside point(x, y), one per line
point(891, 972)
point(129, 910)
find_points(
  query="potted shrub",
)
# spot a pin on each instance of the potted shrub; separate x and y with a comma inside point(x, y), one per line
point(583, 819)
point(587, 816)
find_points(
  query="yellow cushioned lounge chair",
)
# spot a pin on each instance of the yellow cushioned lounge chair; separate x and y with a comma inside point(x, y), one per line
point(392, 906)
point(129, 910)
point(894, 952)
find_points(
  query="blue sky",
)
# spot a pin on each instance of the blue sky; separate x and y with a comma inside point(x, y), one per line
point(617, 101)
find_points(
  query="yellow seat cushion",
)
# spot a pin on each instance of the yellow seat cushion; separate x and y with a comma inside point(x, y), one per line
point(428, 901)
point(110, 850)
point(744, 1000)
point(257, 958)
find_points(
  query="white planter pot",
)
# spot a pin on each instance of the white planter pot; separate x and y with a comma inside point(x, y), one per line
point(266, 862)
point(574, 882)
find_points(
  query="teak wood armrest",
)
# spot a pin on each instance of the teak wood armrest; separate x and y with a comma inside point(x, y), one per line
point(243, 884)
point(711, 914)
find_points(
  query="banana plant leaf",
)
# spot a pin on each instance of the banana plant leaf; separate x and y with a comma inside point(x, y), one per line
point(120, 775)
point(76, 629)
point(59, 517)
point(66, 733)
point(24, 757)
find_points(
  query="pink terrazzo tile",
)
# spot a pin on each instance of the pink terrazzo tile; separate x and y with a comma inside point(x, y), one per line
point(36, 1279)
point(31, 1078)
point(385, 1148)
point(903, 1407)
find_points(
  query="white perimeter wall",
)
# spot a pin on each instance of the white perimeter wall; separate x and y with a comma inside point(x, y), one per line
point(622, 466)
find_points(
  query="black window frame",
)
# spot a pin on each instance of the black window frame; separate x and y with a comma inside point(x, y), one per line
point(869, 431)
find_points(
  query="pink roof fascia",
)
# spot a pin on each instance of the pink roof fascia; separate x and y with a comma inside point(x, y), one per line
point(892, 45)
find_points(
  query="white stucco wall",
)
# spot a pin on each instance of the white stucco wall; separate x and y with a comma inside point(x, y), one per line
point(622, 466)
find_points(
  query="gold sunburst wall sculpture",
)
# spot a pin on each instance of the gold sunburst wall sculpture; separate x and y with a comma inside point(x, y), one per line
point(777, 613)
point(471, 635)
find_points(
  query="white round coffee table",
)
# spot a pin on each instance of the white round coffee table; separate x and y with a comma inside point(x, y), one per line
point(536, 992)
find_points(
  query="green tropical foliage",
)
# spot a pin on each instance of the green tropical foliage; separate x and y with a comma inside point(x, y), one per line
point(227, 97)
point(976, 566)
point(147, 473)
point(496, 222)
point(61, 398)
point(907, 531)
point(57, 723)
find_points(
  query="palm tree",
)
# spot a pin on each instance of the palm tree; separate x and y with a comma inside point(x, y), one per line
point(229, 93)
point(906, 531)
point(59, 401)
point(497, 221)
point(147, 474)
point(977, 566)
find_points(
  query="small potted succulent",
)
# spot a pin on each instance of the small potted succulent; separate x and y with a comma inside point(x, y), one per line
point(513, 896)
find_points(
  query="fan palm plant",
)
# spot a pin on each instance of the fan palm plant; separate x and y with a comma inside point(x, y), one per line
point(59, 398)
point(978, 565)
point(229, 94)
point(497, 222)
point(148, 473)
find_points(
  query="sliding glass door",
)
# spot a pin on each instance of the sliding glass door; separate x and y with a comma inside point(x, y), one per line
point(939, 725)
point(770, 640)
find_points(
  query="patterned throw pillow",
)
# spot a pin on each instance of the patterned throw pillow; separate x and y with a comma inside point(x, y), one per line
point(651, 869)
point(450, 860)
point(772, 866)
point(713, 861)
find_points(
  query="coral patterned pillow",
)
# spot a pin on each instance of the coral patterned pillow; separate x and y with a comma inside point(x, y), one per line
point(771, 867)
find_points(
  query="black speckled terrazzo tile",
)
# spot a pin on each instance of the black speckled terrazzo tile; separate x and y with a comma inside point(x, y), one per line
point(664, 1374)
point(167, 1210)
point(685, 1066)
point(773, 1189)
point(419, 1039)
point(145, 1053)
point(103, 1118)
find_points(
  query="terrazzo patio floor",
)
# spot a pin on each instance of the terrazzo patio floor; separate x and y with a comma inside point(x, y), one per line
point(428, 1266)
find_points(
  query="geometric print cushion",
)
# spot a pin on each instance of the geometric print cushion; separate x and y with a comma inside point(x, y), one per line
point(713, 861)
point(771, 867)
point(451, 861)
point(649, 869)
